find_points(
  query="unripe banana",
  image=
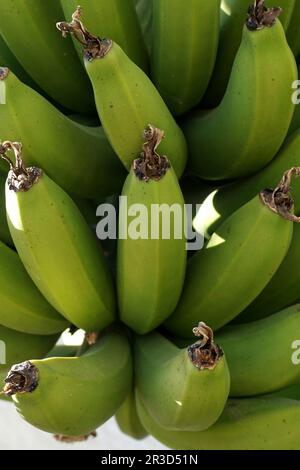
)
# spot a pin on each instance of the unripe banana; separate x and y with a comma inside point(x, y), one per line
point(53, 66)
point(77, 157)
point(233, 16)
point(144, 10)
point(115, 19)
point(128, 420)
point(282, 290)
point(292, 34)
point(73, 396)
point(148, 290)
point(253, 118)
point(259, 353)
point(222, 202)
point(246, 424)
point(4, 230)
point(126, 99)
point(182, 77)
point(237, 262)
point(22, 307)
point(183, 389)
point(56, 246)
point(59, 350)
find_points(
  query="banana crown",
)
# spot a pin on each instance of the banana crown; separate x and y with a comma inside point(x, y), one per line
point(19, 177)
point(93, 46)
point(151, 165)
point(260, 16)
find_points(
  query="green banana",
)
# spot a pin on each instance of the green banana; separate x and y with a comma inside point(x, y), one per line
point(270, 423)
point(233, 15)
point(144, 10)
point(128, 420)
point(237, 262)
point(59, 350)
point(77, 157)
point(148, 291)
point(114, 19)
point(22, 307)
point(222, 202)
point(282, 290)
point(183, 63)
point(53, 66)
point(56, 246)
point(259, 354)
point(73, 395)
point(183, 389)
point(253, 118)
point(5, 235)
point(126, 99)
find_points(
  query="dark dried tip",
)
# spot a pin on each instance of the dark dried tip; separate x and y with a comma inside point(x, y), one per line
point(73, 439)
point(93, 46)
point(260, 16)
point(279, 200)
point(19, 178)
point(204, 354)
point(151, 165)
point(4, 71)
point(22, 378)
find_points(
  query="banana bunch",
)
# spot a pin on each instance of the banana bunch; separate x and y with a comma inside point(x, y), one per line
point(149, 156)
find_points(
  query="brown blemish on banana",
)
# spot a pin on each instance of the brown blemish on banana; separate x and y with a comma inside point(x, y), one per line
point(22, 378)
point(204, 354)
point(279, 200)
point(73, 439)
point(4, 71)
point(93, 46)
point(151, 165)
point(19, 177)
point(259, 16)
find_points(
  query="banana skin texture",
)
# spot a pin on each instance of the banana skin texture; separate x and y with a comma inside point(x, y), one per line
point(128, 420)
point(222, 202)
point(183, 63)
point(245, 132)
point(259, 353)
point(183, 389)
point(148, 289)
point(127, 101)
point(77, 157)
point(58, 249)
point(233, 16)
point(246, 424)
point(124, 28)
point(29, 31)
point(73, 395)
point(22, 307)
point(233, 268)
point(283, 289)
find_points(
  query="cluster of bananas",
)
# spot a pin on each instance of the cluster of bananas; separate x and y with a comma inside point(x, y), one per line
point(189, 101)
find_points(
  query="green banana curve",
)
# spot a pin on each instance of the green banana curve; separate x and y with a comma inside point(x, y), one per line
point(128, 420)
point(74, 395)
point(127, 101)
point(53, 65)
point(182, 63)
point(246, 424)
point(260, 353)
point(249, 122)
point(58, 249)
point(234, 267)
point(183, 389)
point(77, 157)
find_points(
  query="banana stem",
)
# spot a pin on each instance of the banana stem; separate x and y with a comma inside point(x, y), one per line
point(259, 16)
point(151, 165)
point(204, 354)
point(94, 47)
point(280, 200)
point(20, 178)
